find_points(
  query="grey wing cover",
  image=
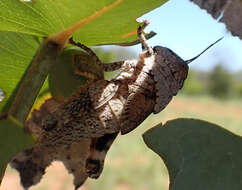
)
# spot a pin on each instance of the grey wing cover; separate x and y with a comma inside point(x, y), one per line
point(101, 92)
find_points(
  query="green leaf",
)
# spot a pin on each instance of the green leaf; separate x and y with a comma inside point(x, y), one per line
point(63, 81)
point(100, 21)
point(13, 139)
point(199, 155)
point(16, 52)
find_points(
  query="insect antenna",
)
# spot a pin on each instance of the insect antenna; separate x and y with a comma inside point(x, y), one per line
point(192, 59)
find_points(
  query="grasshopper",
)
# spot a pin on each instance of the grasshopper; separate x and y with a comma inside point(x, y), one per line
point(80, 131)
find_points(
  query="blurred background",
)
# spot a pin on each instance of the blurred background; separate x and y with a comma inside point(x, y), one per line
point(212, 92)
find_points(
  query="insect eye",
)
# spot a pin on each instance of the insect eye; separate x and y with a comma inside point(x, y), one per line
point(155, 48)
point(158, 49)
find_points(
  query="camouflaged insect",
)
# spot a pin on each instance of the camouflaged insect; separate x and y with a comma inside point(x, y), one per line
point(80, 131)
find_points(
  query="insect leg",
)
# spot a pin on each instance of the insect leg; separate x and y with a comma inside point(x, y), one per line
point(112, 66)
point(98, 150)
point(88, 50)
point(140, 33)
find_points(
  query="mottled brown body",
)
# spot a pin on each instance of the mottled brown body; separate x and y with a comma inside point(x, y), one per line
point(93, 117)
point(106, 107)
point(32, 162)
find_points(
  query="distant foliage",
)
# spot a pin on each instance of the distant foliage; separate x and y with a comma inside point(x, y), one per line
point(193, 86)
point(238, 89)
point(220, 82)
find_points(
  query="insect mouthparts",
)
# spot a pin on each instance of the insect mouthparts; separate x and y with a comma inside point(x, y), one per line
point(192, 59)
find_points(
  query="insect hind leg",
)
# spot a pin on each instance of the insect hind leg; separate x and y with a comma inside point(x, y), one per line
point(88, 50)
point(105, 67)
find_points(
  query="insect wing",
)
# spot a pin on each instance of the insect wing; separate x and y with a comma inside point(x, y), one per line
point(101, 92)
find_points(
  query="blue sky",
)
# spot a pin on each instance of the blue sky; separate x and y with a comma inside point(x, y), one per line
point(186, 29)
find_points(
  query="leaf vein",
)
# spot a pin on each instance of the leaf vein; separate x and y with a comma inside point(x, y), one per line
point(21, 24)
point(13, 52)
point(39, 13)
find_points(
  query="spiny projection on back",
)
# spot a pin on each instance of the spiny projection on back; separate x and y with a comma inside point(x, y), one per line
point(80, 131)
